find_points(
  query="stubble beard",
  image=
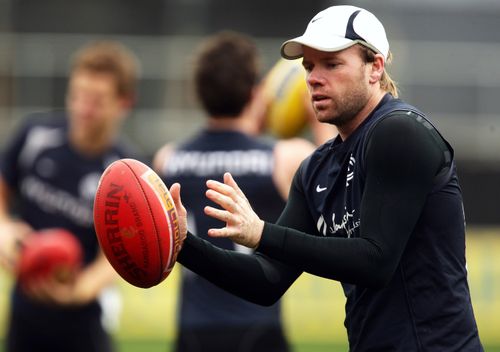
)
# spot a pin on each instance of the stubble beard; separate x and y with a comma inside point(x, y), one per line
point(346, 108)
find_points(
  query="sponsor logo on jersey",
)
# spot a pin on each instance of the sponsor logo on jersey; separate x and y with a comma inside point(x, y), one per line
point(320, 189)
point(343, 227)
point(237, 162)
point(57, 201)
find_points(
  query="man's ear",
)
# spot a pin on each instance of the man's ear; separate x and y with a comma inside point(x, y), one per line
point(378, 66)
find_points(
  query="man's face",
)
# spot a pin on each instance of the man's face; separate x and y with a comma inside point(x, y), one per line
point(93, 103)
point(338, 83)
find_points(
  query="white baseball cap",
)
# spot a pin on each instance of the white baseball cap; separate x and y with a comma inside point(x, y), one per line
point(337, 28)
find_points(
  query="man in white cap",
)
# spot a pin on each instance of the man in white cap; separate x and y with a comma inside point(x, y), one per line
point(378, 208)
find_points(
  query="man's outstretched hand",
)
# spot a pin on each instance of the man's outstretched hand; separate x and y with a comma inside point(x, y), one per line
point(243, 226)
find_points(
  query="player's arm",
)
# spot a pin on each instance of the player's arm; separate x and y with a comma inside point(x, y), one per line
point(87, 287)
point(7, 240)
point(253, 277)
point(12, 231)
point(402, 160)
point(93, 279)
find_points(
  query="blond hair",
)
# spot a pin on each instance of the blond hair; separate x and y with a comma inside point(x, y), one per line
point(386, 82)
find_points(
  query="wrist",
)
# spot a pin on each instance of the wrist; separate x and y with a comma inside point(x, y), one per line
point(259, 229)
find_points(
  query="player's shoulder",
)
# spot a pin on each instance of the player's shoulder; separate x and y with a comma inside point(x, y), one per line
point(400, 131)
point(293, 148)
point(401, 121)
point(39, 123)
point(397, 112)
point(297, 142)
point(263, 141)
point(162, 156)
point(49, 119)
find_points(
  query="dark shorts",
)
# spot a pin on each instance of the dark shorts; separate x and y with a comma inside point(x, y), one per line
point(81, 334)
point(235, 339)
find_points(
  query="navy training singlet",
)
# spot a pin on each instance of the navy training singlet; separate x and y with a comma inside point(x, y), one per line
point(207, 156)
point(55, 187)
point(426, 305)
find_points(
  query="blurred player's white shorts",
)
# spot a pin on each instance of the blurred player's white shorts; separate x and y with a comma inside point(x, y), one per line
point(111, 303)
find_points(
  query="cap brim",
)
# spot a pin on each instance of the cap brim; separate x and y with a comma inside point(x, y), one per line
point(293, 48)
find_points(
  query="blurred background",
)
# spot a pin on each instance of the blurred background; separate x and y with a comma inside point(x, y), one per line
point(445, 52)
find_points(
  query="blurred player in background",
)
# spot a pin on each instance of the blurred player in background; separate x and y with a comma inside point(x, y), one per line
point(49, 175)
point(226, 75)
point(378, 208)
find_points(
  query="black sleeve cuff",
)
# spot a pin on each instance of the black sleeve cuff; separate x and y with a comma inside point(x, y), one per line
point(192, 248)
point(272, 241)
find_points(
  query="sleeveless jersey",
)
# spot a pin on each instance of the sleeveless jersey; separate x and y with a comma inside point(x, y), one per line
point(427, 302)
point(207, 156)
point(54, 186)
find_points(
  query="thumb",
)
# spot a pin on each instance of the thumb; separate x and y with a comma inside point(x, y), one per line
point(175, 192)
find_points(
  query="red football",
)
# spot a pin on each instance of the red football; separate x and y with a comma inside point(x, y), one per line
point(54, 252)
point(136, 222)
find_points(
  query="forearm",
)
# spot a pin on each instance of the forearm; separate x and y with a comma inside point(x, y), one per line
point(346, 260)
point(93, 279)
point(12, 232)
point(255, 277)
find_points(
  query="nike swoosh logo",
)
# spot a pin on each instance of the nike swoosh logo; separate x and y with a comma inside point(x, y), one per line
point(320, 189)
point(315, 19)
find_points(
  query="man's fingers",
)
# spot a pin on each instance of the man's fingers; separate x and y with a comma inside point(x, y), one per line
point(226, 194)
point(222, 232)
point(220, 187)
point(229, 188)
point(229, 180)
point(218, 214)
point(224, 201)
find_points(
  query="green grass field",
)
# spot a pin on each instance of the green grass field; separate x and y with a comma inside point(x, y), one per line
point(161, 346)
point(164, 346)
point(313, 308)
